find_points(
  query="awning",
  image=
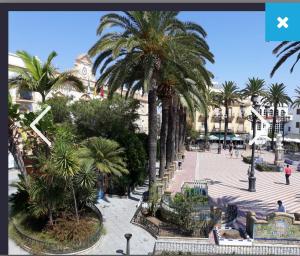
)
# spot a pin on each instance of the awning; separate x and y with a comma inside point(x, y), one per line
point(292, 140)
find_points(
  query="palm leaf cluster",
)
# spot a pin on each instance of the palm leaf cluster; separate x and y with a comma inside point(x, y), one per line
point(284, 51)
point(41, 77)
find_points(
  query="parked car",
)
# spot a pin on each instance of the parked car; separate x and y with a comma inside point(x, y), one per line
point(298, 167)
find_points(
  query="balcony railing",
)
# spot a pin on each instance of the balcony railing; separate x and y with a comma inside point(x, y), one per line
point(216, 118)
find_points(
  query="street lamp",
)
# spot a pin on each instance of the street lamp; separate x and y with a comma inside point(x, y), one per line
point(253, 119)
point(284, 119)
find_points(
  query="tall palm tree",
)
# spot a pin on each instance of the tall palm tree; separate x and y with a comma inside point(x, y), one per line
point(254, 87)
point(228, 96)
point(207, 104)
point(146, 42)
point(297, 100)
point(41, 77)
point(277, 97)
point(288, 49)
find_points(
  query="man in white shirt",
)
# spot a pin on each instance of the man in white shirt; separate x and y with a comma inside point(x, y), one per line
point(281, 207)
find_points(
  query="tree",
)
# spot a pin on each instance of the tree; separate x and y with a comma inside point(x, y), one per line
point(59, 108)
point(228, 96)
point(297, 100)
point(42, 77)
point(147, 40)
point(66, 164)
point(254, 86)
point(107, 155)
point(288, 49)
point(276, 96)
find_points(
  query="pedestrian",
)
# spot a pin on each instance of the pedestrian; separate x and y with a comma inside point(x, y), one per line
point(231, 149)
point(288, 172)
point(281, 207)
point(236, 153)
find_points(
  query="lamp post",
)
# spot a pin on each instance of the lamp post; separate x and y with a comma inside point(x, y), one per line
point(284, 119)
point(128, 236)
point(253, 119)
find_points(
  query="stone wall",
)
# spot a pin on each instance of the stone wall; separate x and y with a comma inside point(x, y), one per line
point(277, 226)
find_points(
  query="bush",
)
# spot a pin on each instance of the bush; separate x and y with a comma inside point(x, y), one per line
point(265, 168)
point(247, 159)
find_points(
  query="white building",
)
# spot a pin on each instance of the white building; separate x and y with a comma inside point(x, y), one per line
point(83, 69)
point(268, 112)
point(292, 128)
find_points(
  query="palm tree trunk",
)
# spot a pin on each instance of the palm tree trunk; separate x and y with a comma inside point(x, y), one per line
point(170, 133)
point(14, 148)
point(206, 127)
point(273, 126)
point(50, 215)
point(177, 130)
point(181, 127)
point(43, 97)
point(174, 122)
point(152, 138)
point(163, 135)
point(75, 202)
point(226, 123)
point(184, 127)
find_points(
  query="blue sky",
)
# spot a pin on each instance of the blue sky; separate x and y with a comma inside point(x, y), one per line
point(235, 38)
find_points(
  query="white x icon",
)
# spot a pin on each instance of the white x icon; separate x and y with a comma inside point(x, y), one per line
point(282, 22)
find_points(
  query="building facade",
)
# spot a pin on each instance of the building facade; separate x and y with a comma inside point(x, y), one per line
point(292, 128)
point(82, 69)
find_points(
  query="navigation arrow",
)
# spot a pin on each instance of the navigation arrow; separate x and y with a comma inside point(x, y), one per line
point(32, 125)
point(263, 121)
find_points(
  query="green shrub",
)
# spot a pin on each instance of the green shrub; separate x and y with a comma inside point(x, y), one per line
point(265, 168)
point(247, 159)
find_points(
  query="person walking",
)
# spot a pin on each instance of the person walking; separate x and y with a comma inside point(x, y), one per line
point(281, 207)
point(231, 149)
point(288, 172)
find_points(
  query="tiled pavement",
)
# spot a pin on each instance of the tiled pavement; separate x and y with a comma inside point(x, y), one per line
point(229, 183)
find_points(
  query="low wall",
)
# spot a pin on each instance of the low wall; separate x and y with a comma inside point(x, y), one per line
point(277, 226)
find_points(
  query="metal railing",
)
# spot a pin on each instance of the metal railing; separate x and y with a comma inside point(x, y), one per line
point(212, 249)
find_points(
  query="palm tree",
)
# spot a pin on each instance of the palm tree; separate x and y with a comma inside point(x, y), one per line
point(42, 77)
point(107, 156)
point(276, 96)
point(146, 42)
point(297, 100)
point(228, 96)
point(254, 87)
point(67, 165)
point(288, 49)
point(207, 104)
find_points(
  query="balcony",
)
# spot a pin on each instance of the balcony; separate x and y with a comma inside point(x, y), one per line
point(215, 118)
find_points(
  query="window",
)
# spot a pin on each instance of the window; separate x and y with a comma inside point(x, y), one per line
point(298, 111)
point(265, 112)
point(282, 113)
point(260, 111)
point(271, 112)
point(259, 126)
point(289, 128)
point(297, 124)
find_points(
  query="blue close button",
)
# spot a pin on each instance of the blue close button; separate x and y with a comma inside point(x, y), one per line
point(282, 21)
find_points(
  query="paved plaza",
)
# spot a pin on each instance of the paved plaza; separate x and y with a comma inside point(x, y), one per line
point(228, 183)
